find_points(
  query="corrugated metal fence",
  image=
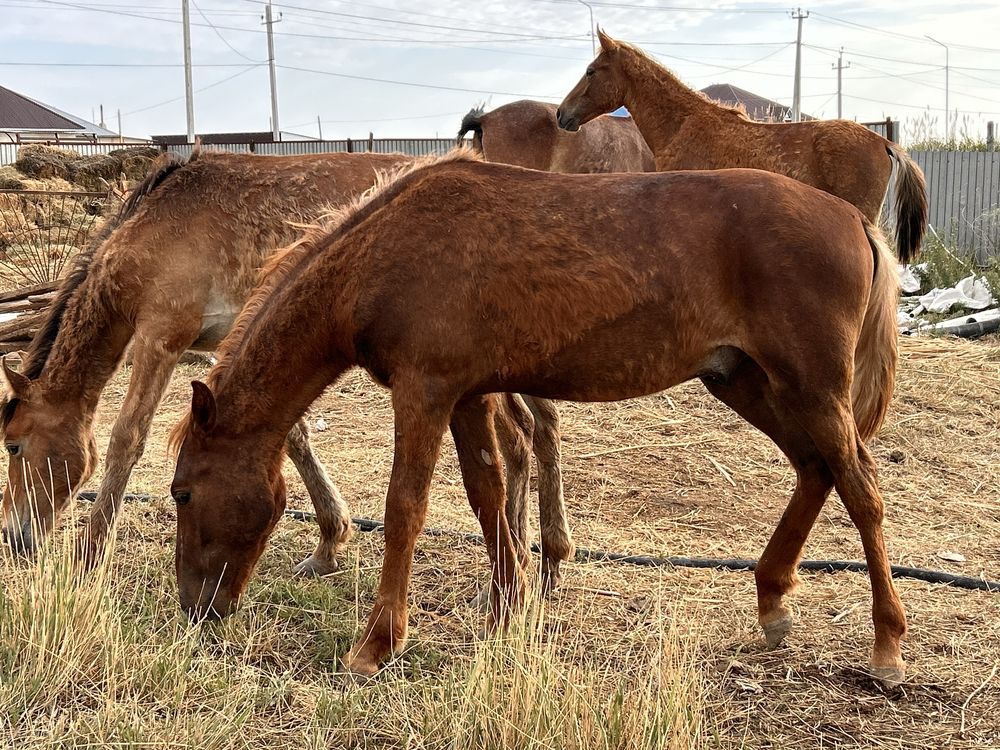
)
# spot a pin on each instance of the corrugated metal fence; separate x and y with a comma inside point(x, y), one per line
point(964, 191)
point(964, 187)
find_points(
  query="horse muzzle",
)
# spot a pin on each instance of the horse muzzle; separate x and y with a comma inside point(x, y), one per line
point(20, 539)
point(567, 121)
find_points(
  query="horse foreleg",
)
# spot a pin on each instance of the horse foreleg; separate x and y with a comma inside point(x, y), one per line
point(472, 426)
point(557, 541)
point(152, 364)
point(332, 513)
point(419, 430)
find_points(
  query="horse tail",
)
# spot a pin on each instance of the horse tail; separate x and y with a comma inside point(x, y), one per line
point(911, 204)
point(472, 121)
point(876, 353)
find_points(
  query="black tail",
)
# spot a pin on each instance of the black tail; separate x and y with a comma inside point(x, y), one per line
point(474, 122)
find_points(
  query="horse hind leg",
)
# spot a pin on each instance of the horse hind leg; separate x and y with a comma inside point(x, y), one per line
point(826, 413)
point(746, 390)
point(557, 540)
point(332, 513)
point(514, 425)
point(855, 476)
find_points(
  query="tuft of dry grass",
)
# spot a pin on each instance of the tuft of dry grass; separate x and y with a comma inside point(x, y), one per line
point(619, 657)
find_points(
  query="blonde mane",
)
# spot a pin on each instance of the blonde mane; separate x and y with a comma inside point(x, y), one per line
point(315, 235)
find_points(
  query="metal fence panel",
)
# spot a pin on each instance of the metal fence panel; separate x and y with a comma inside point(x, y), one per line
point(963, 187)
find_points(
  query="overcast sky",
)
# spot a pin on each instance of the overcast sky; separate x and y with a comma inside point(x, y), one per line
point(127, 55)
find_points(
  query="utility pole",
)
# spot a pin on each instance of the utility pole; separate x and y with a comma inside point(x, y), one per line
point(319, 127)
point(947, 111)
point(269, 22)
point(188, 86)
point(840, 67)
point(120, 137)
point(593, 41)
point(799, 16)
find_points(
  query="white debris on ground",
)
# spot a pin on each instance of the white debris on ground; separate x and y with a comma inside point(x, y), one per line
point(971, 294)
point(7, 317)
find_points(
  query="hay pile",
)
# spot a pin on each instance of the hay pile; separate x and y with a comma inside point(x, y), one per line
point(85, 172)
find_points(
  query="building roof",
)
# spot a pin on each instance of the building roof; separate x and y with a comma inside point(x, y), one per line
point(19, 113)
point(757, 107)
point(218, 138)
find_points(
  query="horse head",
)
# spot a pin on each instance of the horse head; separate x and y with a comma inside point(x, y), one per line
point(229, 499)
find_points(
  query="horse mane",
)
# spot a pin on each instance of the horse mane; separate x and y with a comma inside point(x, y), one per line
point(739, 109)
point(41, 345)
point(284, 264)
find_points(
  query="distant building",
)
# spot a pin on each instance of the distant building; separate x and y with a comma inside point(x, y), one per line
point(24, 120)
point(220, 138)
point(757, 107)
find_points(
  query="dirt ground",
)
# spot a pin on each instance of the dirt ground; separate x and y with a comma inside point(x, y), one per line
point(680, 474)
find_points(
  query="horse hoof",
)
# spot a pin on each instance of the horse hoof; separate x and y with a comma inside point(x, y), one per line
point(313, 567)
point(890, 677)
point(775, 632)
point(358, 673)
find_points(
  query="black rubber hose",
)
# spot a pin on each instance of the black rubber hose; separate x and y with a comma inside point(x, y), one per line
point(585, 555)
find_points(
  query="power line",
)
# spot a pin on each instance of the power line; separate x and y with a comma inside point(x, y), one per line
point(247, 69)
point(415, 84)
point(898, 35)
point(219, 34)
point(547, 35)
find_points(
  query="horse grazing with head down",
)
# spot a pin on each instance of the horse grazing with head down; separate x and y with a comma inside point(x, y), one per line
point(169, 273)
point(685, 130)
point(526, 133)
point(460, 280)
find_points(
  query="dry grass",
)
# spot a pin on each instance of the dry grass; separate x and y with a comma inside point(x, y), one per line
point(671, 474)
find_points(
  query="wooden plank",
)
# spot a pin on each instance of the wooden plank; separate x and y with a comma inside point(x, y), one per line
point(26, 291)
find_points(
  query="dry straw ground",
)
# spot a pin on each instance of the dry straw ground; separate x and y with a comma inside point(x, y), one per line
point(620, 657)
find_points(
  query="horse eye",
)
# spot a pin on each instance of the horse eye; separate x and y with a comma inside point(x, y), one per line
point(182, 497)
point(590, 72)
point(14, 449)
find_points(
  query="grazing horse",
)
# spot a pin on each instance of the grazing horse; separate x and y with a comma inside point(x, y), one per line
point(525, 133)
point(170, 273)
point(686, 130)
point(460, 280)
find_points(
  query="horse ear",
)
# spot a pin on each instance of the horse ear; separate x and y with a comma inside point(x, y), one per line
point(202, 405)
point(17, 384)
point(607, 43)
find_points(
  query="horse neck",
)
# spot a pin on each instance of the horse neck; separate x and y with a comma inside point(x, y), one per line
point(269, 381)
point(658, 102)
point(88, 347)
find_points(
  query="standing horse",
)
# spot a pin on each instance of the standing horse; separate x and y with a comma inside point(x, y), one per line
point(460, 280)
point(526, 133)
point(170, 273)
point(686, 130)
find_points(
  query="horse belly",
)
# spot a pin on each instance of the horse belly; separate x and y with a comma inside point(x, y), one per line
point(216, 321)
point(614, 365)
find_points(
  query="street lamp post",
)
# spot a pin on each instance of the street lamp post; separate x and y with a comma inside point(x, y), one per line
point(593, 41)
point(947, 111)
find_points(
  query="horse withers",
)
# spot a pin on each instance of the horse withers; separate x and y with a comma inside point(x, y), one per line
point(461, 279)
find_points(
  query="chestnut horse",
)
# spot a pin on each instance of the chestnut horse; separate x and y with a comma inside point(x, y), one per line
point(462, 279)
point(170, 273)
point(686, 130)
point(526, 133)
